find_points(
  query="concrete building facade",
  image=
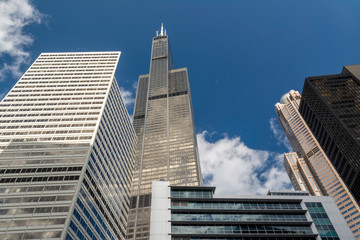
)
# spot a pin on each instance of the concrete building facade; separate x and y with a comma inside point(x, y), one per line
point(67, 150)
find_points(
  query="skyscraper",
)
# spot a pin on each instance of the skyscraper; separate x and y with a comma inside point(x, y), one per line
point(301, 141)
point(330, 106)
point(309, 168)
point(164, 124)
point(67, 150)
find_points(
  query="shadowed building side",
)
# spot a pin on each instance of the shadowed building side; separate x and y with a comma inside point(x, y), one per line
point(331, 108)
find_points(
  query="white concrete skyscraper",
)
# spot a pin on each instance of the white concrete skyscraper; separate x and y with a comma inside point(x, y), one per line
point(67, 150)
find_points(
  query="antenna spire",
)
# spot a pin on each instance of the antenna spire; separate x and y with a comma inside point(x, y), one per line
point(162, 31)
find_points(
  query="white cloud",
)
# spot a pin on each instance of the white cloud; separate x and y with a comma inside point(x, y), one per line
point(135, 85)
point(15, 15)
point(128, 97)
point(3, 94)
point(234, 168)
point(279, 134)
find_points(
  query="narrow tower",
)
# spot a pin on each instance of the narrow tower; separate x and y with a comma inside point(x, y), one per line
point(164, 123)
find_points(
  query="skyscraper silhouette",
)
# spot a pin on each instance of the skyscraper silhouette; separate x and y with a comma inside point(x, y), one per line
point(164, 123)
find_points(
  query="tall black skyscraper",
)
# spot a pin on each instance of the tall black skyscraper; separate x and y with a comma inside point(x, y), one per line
point(164, 124)
point(330, 105)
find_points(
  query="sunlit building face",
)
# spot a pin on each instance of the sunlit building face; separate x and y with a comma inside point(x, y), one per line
point(164, 123)
point(67, 150)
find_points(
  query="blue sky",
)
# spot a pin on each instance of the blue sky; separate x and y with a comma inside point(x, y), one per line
point(241, 57)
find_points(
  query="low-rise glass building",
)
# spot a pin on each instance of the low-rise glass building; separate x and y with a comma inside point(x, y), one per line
point(195, 213)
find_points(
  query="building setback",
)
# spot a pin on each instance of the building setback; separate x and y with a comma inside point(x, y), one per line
point(67, 149)
point(194, 213)
point(308, 167)
point(300, 174)
point(164, 123)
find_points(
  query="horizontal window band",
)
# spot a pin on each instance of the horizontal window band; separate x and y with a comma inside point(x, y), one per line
point(31, 170)
point(178, 93)
point(170, 95)
point(139, 117)
point(159, 57)
point(39, 179)
point(158, 96)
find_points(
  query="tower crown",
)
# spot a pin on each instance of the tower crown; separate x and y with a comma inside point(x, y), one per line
point(162, 31)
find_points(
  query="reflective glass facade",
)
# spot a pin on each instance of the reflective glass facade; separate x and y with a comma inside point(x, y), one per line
point(164, 124)
point(309, 168)
point(241, 229)
point(197, 214)
point(330, 107)
point(220, 217)
point(237, 217)
point(322, 221)
point(234, 205)
point(62, 123)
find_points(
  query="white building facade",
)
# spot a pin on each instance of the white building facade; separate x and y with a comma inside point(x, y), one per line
point(67, 150)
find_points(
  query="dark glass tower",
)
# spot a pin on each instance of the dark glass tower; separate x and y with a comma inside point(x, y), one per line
point(164, 124)
point(330, 105)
